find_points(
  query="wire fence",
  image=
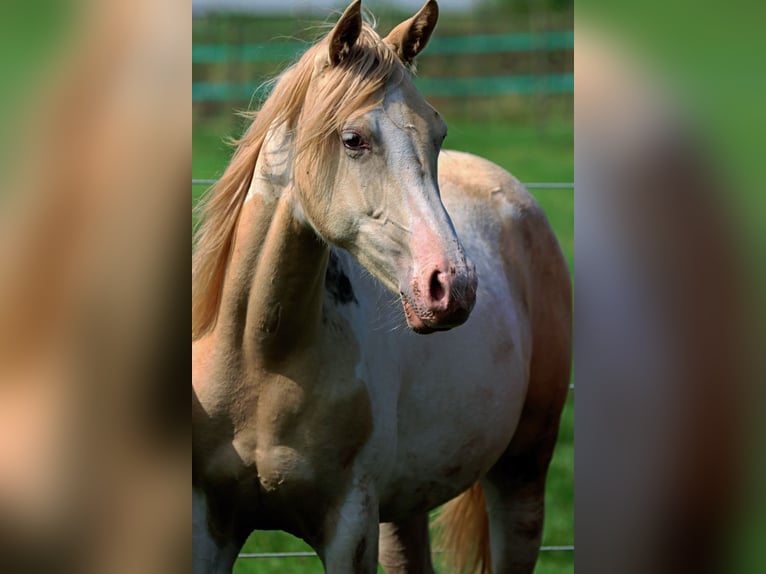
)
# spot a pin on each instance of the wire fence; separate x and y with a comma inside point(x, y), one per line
point(561, 185)
point(530, 185)
point(256, 555)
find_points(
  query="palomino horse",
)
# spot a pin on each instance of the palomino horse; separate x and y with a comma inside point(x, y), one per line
point(315, 409)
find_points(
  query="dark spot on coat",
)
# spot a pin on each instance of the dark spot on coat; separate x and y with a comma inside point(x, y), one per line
point(337, 283)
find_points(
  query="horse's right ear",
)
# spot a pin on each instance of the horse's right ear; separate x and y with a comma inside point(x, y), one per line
point(346, 32)
point(410, 37)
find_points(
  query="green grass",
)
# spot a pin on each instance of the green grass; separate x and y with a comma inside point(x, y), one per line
point(532, 153)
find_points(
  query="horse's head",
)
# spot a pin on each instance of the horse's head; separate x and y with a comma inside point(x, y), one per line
point(371, 187)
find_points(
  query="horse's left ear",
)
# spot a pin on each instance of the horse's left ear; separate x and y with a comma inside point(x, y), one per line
point(410, 37)
point(346, 32)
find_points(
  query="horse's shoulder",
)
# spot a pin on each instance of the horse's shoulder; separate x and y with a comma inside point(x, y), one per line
point(474, 177)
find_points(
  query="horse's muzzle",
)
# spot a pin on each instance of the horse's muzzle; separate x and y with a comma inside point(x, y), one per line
point(441, 297)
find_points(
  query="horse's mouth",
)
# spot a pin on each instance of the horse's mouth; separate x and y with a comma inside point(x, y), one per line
point(417, 323)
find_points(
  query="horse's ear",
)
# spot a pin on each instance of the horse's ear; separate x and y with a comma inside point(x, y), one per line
point(346, 32)
point(410, 37)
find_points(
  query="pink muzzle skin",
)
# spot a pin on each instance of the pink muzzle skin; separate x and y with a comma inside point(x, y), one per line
point(440, 297)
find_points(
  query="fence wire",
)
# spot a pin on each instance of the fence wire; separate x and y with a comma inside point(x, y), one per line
point(530, 185)
point(256, 555)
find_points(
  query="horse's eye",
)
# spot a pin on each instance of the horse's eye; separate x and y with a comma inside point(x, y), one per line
point(353, 141)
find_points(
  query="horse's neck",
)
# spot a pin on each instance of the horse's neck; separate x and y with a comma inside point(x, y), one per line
point(272, 300)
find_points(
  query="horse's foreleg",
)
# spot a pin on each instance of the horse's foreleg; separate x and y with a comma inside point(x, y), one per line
point(404, 546)
point(209, 556)
point(352, 546)
point(514, 490)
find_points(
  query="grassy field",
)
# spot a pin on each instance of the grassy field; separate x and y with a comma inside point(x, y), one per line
point(533, 154)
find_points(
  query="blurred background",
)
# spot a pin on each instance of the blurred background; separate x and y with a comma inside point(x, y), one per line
point(501, 74)
point(670, 280)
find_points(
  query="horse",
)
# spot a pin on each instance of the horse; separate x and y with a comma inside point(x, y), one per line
point(378, 327)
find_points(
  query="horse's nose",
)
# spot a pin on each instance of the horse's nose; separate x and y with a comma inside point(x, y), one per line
point(449, 294)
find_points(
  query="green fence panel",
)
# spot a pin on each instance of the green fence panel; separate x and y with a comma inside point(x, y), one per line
point(451, 45)
point(496, 85)
point(497, 43)
point(437, 87)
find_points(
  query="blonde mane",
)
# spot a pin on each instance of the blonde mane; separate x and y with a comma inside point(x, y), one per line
point(314, 113)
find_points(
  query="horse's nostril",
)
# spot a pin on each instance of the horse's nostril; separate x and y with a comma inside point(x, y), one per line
point(435, 286)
